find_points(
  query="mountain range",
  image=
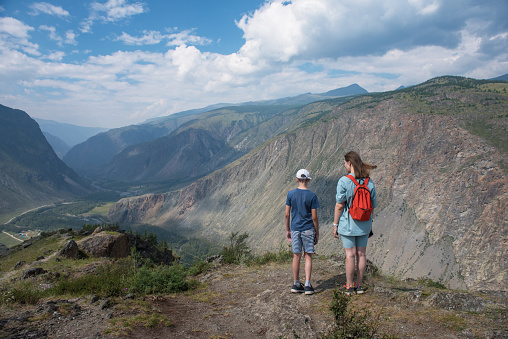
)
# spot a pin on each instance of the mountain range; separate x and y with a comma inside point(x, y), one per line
point(170, 147)
point(441, 151)
point(440, 147)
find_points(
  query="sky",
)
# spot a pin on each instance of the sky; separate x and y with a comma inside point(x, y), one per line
point(113, 63)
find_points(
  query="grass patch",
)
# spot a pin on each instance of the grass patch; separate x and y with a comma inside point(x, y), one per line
point(102, 209)
point(125, 325)
point(285, 254)
point(39, 248)
point(452, 321)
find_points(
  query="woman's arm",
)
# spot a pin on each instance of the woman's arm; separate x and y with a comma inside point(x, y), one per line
point(339, 207)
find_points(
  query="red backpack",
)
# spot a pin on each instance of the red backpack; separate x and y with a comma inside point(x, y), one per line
point(361, 204)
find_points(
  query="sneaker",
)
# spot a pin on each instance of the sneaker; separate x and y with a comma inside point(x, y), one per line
point(348, 291)
point(297, 288)
point(360, 290)
point(309, 289)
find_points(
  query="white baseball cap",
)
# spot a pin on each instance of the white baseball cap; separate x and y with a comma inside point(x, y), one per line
point(303, 174)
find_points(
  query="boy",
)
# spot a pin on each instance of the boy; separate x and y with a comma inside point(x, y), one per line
point(302, 229)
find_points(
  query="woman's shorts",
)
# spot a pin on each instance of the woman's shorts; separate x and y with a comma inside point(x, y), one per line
point(351, 241)
point(303, 239)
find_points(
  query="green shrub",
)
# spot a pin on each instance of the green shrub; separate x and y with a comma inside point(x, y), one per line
point(238, 249)
point(431, 283)
point(108, 280)
point(161, 279)
point(23, 293)
point(349, 323)
point(197, 267)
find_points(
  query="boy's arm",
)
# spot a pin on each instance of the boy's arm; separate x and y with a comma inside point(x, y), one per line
point(287, 218)
point(316, 224)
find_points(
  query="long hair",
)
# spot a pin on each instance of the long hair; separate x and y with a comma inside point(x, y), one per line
point(362, 169)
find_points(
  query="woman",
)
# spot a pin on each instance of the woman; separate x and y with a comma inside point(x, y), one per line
point(354, 233)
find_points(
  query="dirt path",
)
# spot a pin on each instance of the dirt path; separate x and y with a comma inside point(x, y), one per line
point(243, 302)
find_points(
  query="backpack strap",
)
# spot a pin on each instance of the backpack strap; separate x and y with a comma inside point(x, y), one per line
point(366, 180)
point(353, 179)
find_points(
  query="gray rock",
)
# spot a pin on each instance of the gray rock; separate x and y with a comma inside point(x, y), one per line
point(457, 302)
point(33, 272)
point(104, 304)
point(70, 250)
point(19, 264)
point(106, 245)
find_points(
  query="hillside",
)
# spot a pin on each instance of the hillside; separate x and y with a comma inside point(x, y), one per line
point(154, 150)
point(100, 149)
point(230, 301)
point(441, 151)
point(31, 174)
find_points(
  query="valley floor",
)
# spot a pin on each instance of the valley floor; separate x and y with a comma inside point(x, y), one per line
point(255, 302)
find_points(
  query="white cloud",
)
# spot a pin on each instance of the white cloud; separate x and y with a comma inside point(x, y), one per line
point(52, 33)
point(70, 38)
point(155, 37)
point(14, 35)
point(148, 38)
point(14, 28)
point(111, 11)
point(290, 48)
point(55, 56)
point(46, 8)
point(281, 30)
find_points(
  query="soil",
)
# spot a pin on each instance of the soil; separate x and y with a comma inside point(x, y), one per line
point(256, 302)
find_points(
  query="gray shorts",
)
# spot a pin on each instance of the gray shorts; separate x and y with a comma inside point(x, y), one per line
point(303, 239)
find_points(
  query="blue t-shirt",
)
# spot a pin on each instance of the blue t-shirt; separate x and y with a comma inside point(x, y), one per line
point(347, 225)
point(302, 202)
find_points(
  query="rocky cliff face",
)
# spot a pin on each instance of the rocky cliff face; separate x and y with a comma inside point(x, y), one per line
point(442, 191)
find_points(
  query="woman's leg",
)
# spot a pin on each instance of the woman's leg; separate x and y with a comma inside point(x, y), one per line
point(350, 265)
point(362, 263)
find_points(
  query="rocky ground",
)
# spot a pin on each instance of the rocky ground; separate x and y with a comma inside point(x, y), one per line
point(255, 302)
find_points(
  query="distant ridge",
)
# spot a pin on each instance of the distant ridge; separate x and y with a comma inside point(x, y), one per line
point(501, 77)
point(90, 157)
point(70, 134)
point(353, 89)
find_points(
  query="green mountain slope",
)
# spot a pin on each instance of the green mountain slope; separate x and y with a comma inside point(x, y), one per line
point(31, 174)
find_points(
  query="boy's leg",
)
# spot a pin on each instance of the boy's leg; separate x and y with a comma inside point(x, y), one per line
point(296, 266)
point(308, 266)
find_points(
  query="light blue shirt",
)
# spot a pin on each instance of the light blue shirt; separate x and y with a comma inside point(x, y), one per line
point(347, 225)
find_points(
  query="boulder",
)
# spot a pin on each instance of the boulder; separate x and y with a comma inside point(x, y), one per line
point(70, 250)
point(33, 272)
point(457, 302)
point(106, 245)
point(19, 264)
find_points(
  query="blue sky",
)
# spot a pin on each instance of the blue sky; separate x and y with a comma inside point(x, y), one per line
point(111, 63)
